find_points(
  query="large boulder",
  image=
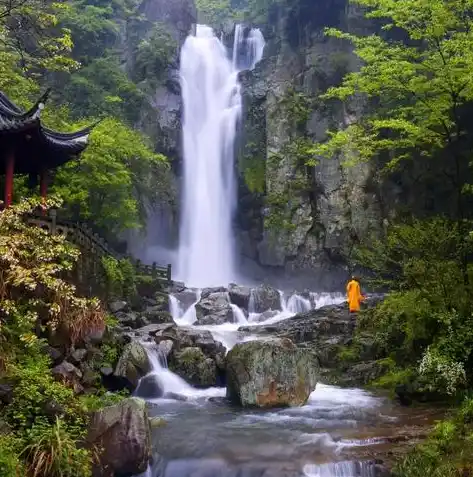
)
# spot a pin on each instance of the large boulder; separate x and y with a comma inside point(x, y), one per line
point(155, 315)
point(133, 364)
point(206, 292)
point(215, 305)
point(184, 337)
point(265, 298)
point(192, 365)
point(123, 433)
point(186, 298)
point(131, 319)
point(328, 332)
point(240, 296)
point(272, 373)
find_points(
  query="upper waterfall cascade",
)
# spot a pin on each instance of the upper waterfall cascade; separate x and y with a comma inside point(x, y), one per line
point(212, 108)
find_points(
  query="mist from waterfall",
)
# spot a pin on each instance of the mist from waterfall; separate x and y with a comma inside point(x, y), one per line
point(212, 108)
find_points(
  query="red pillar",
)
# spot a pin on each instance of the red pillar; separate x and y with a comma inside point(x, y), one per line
point(43, 188)
point(9, 170)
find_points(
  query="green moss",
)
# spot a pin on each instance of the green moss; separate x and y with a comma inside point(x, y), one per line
point(448, 452)
point(349, 354)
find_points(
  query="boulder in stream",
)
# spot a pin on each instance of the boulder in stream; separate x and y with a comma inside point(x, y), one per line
point(192, 365)
point(265, 298)
point(149, 387)
point(271, 373)
point(239, 295)
point(133, 364)
point(123, 433)
point(215, 305)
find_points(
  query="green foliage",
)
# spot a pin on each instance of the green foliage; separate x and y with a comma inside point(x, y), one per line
point(53, 451)
point(103, 88)
point(446, 453)
point(154, 55)
point(29, 31)
point(111, 182)
point(120, 277)
point(92, 27)
point(417, 86)
point(45, 420)
point(35, 390)
point(215, 12)
point(32, 292)
point(426, 321)
point(10, 464)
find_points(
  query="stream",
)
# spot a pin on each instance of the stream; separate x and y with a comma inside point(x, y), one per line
point(338, 433)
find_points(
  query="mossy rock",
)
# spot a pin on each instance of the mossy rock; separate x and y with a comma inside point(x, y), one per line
point(133, 363)
point(197, 369)
point(273, 373)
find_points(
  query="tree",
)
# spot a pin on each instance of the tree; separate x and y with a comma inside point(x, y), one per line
point(418, 91)
point(418, 86)
point(109, 184)
point(33, 293)
point(30, 29)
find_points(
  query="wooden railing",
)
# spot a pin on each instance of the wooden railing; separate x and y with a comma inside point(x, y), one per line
point(90, 242)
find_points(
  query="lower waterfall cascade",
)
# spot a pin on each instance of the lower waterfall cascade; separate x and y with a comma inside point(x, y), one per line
point(320, 439)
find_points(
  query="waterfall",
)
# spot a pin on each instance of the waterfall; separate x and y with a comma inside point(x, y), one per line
point(238, 315)
point(175, 307)
point(340, 469)
point(212, 109)
point(297, 304)
point(171, 383)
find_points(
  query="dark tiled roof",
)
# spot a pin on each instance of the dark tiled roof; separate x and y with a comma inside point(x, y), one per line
point(48, 148)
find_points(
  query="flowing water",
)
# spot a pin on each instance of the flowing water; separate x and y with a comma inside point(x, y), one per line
point(338, 433)
point(212, 108)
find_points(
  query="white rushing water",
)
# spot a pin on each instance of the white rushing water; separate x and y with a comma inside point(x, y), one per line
point(340, 469)
point(212, 108)
point(227, 333)
point(170, 382)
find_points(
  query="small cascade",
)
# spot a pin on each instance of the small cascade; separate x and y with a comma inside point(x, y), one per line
point(175, 307)
point(297, 304)
point(318, 300)
point(247, 52)
point(238, 315)
point(180, 317)
point(171, 383)
point(340, 469)
point(251, 303)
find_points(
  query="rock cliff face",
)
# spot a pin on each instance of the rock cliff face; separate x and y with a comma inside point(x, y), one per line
point(162, 120)
point(312, 215)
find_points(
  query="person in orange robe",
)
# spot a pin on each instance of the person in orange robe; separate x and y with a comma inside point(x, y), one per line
point(354, 295)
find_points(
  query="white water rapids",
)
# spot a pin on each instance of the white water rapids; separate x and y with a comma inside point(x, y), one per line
point(226, 333)
point(212, 108)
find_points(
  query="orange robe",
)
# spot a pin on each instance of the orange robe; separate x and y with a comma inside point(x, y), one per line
point(354, 296)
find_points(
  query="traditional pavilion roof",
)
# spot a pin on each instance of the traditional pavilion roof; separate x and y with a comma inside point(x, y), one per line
point(34, 145)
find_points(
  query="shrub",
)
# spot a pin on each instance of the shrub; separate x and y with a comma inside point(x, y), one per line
point(425, 324)
point(120, 277)
point(442, 374)
point(10, 464)
point(52, 451)
point(33, 294)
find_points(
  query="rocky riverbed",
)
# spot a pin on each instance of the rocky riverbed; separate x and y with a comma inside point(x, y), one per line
point(243, 382)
